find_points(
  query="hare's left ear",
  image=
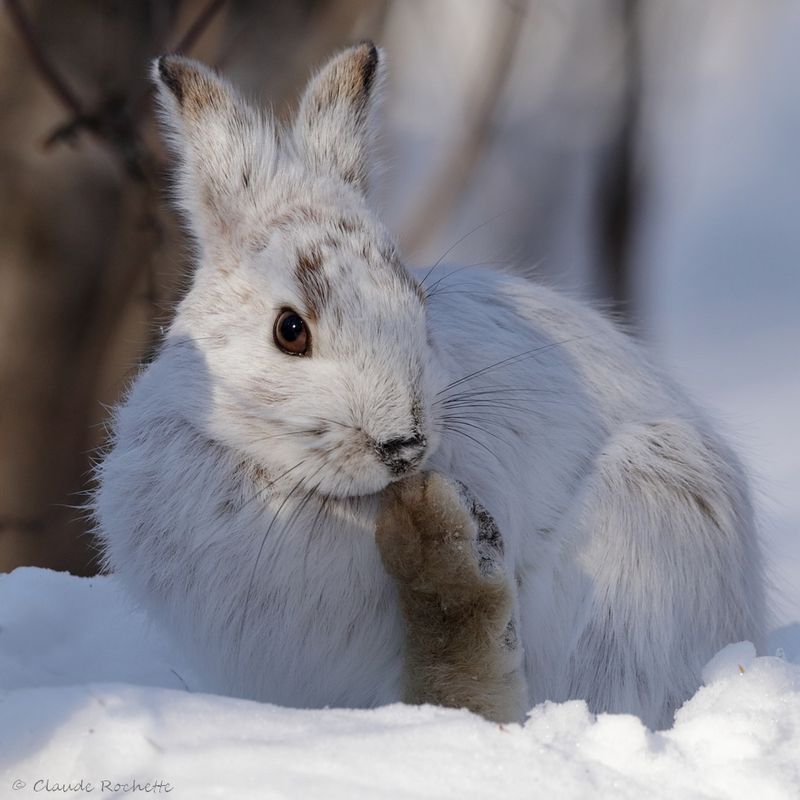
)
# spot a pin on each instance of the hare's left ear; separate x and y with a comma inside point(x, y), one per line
point(334, 128)
point(226, 150)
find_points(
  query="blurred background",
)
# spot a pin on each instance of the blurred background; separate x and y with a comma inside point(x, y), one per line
point(639, 153)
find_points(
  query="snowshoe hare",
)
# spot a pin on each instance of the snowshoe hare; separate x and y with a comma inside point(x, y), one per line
point(343, 483)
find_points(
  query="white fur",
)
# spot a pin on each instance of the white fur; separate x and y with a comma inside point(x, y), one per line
point(626, 520)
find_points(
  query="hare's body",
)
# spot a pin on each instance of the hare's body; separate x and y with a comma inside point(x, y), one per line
point(237, 507)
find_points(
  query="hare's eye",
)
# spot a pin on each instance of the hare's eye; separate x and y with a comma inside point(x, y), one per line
point(291, 333)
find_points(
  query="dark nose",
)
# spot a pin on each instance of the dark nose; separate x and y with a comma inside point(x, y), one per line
point(401, 454)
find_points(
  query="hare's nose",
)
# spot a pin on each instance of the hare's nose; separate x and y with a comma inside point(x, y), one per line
point(401, 454)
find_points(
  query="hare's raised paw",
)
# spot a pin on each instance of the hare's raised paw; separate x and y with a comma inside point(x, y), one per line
point(436, 538)
point(446, 554)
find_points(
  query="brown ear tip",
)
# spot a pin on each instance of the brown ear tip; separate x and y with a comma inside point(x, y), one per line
point(168, 69)
point(370, 57)
point(373, 54)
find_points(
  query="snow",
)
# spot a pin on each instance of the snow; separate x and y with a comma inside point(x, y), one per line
point(93, 693)
point(89, 691)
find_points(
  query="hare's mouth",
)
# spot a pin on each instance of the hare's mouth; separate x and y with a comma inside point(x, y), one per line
point(370, 481)
point(337, 466)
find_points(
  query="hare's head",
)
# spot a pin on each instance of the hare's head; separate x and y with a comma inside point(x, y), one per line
point(311, 334)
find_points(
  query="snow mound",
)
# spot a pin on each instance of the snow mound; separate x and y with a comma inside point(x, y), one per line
point(94, 703)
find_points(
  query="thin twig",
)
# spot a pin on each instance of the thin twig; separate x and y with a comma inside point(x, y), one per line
point(43, 64)
point(198, 27)
point(183, 46)
point(108, 124)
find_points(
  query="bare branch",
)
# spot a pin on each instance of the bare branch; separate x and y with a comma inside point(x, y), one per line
point(198, 27)
point(184, 45)
point(43, 64)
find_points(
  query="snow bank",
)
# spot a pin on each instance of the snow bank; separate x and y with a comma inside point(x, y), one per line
point(90, 693)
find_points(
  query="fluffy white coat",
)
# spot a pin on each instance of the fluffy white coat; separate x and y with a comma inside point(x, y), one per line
point(237, 501)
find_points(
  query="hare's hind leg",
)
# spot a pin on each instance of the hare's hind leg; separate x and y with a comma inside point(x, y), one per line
point(667, 548)
point(445, 552)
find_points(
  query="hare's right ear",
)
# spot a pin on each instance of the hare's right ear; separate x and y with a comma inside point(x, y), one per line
point(226, 149)
point(334, 125)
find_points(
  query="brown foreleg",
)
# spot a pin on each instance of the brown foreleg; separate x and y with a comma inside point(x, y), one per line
point(446, 554)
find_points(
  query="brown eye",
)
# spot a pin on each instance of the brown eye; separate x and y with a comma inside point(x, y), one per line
point(291, 333)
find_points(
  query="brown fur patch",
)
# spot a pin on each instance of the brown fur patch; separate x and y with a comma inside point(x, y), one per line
point(194, 91)
point(347, 225)
point(170, 75)
point(350, 80)
point(312, 281)
point(309, 261)
point(294, 215)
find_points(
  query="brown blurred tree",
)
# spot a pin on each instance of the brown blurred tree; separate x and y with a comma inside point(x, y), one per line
point(90, 257)
point(89, 260)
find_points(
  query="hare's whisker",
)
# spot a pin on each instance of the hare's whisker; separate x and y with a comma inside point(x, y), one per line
point(458, 241)
point(454, 427)
point(463, 420)
point(508, 361)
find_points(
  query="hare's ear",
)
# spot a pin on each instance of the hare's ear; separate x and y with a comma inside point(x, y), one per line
point(334, 129)
point(225, 147)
